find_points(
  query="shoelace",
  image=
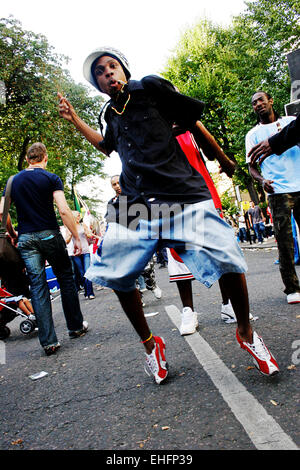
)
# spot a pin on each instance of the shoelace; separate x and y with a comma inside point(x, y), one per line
point(152, 362)
point(259, 349)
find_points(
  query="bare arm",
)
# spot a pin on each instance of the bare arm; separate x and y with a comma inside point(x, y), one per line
point(88, 233)
point(260, 152)
point(67, 218)
point(68, 236)
point(11, 231)
point(67, 112)
point(266, 184)
point(212, 150)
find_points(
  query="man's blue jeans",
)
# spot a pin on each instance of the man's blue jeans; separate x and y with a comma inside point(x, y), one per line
point(242, 234)
point(35, 248)
point(82, 262)
point(259, 230)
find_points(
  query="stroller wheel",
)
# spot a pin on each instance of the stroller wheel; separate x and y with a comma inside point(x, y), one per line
point(26, 327)
point(4, 332)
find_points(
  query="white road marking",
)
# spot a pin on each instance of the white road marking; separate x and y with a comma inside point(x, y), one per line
point(151, 314)
point(262, 429)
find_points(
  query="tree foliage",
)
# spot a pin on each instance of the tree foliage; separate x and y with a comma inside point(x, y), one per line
point(228, 206)
point(32, 74)
point(225, 66)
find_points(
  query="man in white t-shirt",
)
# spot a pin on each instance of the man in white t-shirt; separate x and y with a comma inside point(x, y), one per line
point(242, 228)
point(257, 220)
point(280, 178)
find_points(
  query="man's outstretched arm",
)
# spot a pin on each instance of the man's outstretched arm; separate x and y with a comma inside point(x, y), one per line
point(212, 150)
point(68, 219)
point(67, 112)
point(266, 184)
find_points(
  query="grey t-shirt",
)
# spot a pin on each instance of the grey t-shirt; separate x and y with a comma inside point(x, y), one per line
point(255, 213)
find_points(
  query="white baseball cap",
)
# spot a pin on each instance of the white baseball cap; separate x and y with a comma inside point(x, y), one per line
point(96, 54)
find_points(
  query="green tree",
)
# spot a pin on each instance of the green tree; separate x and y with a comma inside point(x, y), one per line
point(228, 206)
point(225, 66)
point(32, 74)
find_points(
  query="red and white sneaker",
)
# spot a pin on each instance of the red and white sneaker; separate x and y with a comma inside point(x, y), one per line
point(293, 298)
point(263, 359)
point(156, 361)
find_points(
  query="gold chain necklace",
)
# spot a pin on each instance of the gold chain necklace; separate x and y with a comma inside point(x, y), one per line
point(121, 112)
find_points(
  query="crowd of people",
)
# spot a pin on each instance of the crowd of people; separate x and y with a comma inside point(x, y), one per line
point(254, 225)
point(165, 202)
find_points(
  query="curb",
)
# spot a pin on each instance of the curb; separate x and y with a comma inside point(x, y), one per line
point(258, 246)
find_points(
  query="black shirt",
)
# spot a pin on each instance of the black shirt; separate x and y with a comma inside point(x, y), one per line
point(153, 164)
point(287, 138)
point(32, 193)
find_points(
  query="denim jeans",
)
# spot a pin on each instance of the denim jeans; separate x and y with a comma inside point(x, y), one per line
point(141, 282)
point(242, 234)
point(259, 230)
point(77, 277)
point(82, 263)
point(35, 248)
point(205, 243)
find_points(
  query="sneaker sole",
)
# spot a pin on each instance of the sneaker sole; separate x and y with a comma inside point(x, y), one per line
point(256, 364)
point(262, 373)
point(157, 379)
point(228, 320)
point(50, 351)
point(78, 335)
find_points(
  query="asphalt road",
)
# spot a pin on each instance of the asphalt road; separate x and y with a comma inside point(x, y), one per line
point(96, 395)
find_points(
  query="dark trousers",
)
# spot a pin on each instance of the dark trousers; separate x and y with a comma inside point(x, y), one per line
point(281, 206)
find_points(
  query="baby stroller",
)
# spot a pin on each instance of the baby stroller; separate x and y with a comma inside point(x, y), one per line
point(14, 294)
point(10, 307)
